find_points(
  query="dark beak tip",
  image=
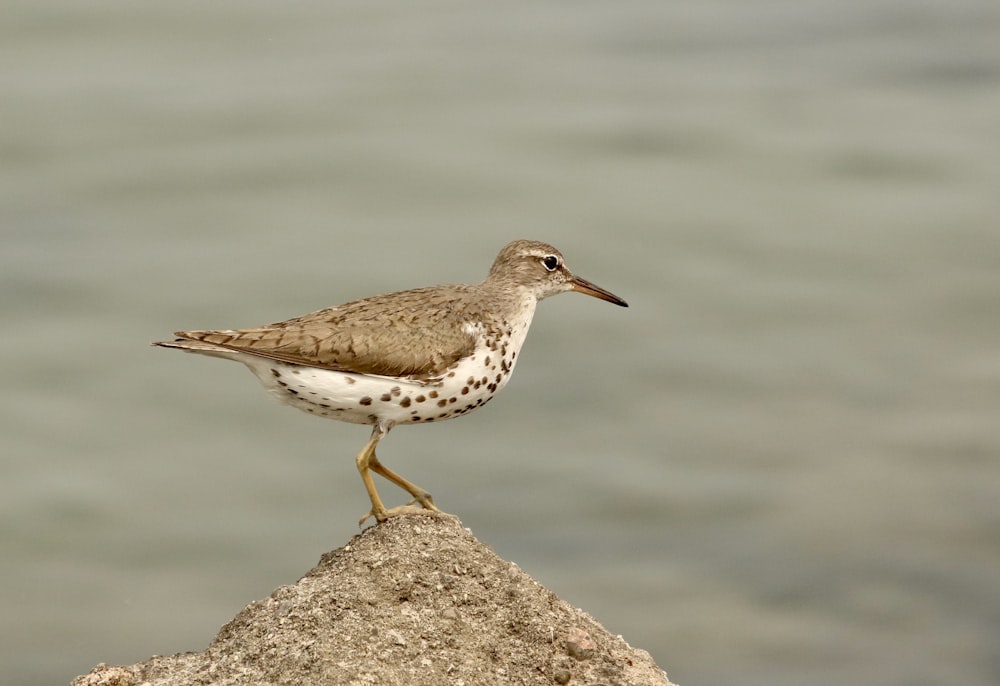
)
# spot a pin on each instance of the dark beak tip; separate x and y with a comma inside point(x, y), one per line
point(587, 288)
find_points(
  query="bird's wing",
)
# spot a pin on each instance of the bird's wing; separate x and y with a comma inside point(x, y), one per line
point(417, 333)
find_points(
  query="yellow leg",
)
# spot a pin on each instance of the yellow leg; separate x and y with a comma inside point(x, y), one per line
point(419, 495)
point(363, 461)
point(367, 463)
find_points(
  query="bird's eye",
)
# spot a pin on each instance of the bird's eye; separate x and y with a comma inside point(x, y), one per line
point(550, 262)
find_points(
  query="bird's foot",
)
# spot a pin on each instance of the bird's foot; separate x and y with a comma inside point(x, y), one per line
point(427, 507)
point(425, 499)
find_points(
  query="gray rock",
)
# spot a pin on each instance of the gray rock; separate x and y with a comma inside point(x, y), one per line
point(416, 600)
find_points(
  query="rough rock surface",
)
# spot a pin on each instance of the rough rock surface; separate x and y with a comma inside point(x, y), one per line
point(416, 600)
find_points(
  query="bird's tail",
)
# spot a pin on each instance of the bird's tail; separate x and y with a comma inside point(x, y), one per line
point(200, 347)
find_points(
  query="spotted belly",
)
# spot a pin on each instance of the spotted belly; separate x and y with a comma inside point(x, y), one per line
point(368, 399)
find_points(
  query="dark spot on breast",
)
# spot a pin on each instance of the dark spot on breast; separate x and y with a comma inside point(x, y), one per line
point(366, 400)
point(386, 397)
point(420, 398)
point(350, 379)
point(275, 372)
point(405, 402)
point(433, 394)
point(451, 400)
point(471, 380)
point(465, 391)
point(487, 361)
point(442, 402)
point(395, 391)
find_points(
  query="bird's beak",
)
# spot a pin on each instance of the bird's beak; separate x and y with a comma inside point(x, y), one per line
point(583, 286)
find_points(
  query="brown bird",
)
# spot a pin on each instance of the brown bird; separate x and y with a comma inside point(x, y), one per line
point(411, 357)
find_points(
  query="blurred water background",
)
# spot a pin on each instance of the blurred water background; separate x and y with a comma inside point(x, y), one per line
point(781, 465)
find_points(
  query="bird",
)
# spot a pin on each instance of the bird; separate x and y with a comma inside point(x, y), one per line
point(410, 357)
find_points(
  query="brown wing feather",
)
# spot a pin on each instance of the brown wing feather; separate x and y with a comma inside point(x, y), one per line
point(413, 333)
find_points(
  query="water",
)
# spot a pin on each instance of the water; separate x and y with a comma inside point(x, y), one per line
point(779, 466)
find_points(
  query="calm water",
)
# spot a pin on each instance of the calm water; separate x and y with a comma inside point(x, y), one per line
point(781, 465)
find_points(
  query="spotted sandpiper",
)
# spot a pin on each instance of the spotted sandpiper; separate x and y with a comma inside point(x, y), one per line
point(416, 356)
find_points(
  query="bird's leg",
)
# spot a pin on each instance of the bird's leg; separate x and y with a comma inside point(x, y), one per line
point(367, 463)
point(364, 460)
point(419, 495)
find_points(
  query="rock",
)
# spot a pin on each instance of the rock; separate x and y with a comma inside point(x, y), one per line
point(579, 644)
point(416, 600)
